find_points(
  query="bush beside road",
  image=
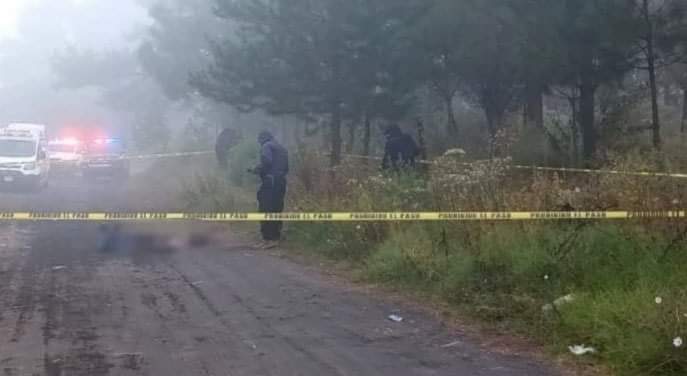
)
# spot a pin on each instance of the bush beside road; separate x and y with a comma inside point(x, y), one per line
point(613, 291)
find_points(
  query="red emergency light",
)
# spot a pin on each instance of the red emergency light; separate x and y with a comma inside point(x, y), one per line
point(83, 134)
point(66, 141)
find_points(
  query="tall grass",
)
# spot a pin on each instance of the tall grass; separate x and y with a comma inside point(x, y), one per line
point(617, 287)
point(214, 189)
point(566, 283)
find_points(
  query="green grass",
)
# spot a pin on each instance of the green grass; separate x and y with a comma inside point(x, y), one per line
point(508, 273)
point(503, 274)
point(233, 189)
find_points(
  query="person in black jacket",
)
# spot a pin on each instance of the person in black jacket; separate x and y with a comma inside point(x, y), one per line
point(226, 139)
point(400, 149)
point(273, 168)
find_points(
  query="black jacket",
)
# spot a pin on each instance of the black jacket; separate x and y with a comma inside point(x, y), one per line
point(274, 160)
point(401, 148)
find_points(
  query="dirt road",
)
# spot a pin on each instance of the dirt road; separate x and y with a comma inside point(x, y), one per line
point(160, 304)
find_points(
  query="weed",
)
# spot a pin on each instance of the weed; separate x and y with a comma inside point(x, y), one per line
point(567, 283)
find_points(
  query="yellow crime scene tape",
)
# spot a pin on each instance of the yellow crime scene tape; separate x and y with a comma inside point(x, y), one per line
point(343, 216)
point(553, 169)
point(602, 172)
point(359, 216)
point(168, 155)
point(517, 167)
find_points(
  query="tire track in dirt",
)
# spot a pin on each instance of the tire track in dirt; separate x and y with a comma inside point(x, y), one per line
point(9, 264)
point(171, 314)
point(52, 288)
point(212, 309)
point(248, 349)
point(10, 243)
point(69, 309)
point(249, 320)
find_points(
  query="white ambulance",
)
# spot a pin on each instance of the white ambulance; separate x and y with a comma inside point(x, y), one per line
point(37, 129)
point(23, 159)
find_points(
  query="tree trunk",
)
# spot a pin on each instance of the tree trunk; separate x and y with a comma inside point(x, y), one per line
point(683, 126)
point(335, 128)
point(350, 145)
point(326, 133)
point(587, 101)
point(651, 62)
point(655, 118)
point(367, 136)
point(574, 131)
point(452, 126)
point(421, 139)
point(491, 123)
point(494, 118)
point(534, 109)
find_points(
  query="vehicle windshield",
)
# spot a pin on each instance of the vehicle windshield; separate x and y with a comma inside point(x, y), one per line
point(17, 148)
point(62, 148)
point(105, 148)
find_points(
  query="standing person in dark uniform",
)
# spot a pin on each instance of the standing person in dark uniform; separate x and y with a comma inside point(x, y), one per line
point(226, 139)
point(400, 150)
point(273, 168)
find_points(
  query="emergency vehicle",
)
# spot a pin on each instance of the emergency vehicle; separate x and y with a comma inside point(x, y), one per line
point(37, 129)
point(23, 159)
point(65, 155)
point(105, 157)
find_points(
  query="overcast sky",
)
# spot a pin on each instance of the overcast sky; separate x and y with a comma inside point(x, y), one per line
point(33, 31)
point(9, 11)
point(113, 17)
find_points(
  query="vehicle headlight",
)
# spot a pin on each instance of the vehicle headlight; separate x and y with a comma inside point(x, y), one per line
point(29, 166)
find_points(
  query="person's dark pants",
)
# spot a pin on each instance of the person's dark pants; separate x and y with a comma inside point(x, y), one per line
point(271, 200)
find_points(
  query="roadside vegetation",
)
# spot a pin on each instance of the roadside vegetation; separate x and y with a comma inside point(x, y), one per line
point(482, 85)
point(613, 289)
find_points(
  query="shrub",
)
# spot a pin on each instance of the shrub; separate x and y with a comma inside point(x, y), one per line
point(568, 283)
point(600, 293)
point(242, 157)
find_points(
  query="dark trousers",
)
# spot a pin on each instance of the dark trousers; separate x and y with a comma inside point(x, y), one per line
point(271, 200)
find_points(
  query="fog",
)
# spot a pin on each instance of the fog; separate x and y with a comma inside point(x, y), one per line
point(34, 33)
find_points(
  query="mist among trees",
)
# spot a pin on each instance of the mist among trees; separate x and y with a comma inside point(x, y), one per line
point(570, 79)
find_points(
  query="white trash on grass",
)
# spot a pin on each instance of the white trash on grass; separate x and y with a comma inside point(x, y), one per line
point(395, 318)
point(581, 350)
point(559, 302)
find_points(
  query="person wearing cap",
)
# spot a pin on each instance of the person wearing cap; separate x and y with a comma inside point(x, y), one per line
point(400, 149)
point(272, 169)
